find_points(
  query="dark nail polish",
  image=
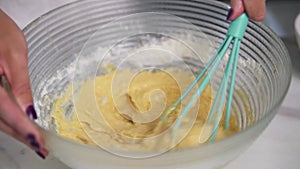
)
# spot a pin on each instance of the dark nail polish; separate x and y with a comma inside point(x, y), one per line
point(230, 12)
point(30, 137)
point(32, 141)
point(41, 155)
point(31, 113)
point(35, 145)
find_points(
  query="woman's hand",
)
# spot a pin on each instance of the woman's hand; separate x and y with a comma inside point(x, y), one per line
point(17, 111)
point(255, 9)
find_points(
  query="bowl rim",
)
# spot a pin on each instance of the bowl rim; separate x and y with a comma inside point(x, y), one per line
point(237, 136)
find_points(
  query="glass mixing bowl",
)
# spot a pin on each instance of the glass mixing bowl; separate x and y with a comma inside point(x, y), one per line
point(62, 37)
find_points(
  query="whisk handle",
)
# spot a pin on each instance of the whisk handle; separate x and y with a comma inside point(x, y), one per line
point(238, 27)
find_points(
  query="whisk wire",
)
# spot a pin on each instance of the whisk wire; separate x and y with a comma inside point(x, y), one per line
point(235, 52)
point(221, 94)
point(198, 78)
point(214, 62)
point(235, 33)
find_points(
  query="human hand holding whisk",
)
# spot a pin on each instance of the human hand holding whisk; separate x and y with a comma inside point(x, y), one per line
point(255, 9)
point(221, 105)
point(13, 43)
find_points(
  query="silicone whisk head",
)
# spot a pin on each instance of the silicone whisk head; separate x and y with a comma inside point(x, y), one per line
point(234, 36)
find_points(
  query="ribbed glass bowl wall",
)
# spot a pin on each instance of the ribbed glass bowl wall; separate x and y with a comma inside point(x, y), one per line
point(55, 40)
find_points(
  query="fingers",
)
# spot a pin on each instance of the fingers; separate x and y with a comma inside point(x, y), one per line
point(13, 65)
point(15, 123)
point(237, 8)
point(9, 131)
point(16, 72)
point(13, 62)
point(42, 152)
point(255, 9)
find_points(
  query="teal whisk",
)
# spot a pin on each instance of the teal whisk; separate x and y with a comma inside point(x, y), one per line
point(234, 35)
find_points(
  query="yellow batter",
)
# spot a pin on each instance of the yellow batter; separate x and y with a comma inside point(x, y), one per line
point(123, 106)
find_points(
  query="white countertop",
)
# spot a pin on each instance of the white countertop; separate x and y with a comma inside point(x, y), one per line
point(277, 148)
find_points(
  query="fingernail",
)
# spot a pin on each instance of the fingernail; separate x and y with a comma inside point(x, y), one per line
point(31, 113)
point(40, 154)
point(35, 145)
point(230, 12)
point(32, 141)
point(30, 137)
